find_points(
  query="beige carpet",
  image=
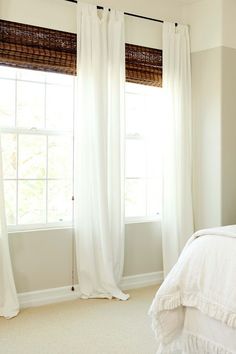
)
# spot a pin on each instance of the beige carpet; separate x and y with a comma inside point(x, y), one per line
point(82, 327)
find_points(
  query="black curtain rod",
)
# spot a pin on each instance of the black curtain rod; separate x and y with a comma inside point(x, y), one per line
point(127, 14)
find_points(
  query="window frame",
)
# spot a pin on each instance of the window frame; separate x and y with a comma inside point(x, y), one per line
point(140, 89)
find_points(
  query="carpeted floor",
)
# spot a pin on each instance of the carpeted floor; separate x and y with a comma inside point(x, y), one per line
point(82, 327)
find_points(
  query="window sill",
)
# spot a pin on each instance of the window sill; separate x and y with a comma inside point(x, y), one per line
point(139, 220)
point(38, 228)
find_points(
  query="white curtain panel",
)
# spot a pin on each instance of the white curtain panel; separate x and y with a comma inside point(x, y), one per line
point(177, 213)
point(9, 305)
point(99, 152)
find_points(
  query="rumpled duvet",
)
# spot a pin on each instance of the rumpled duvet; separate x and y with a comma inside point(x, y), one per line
point(204, 278)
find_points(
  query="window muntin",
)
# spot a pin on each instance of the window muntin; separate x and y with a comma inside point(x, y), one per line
point(36, 121)
point(143, 152)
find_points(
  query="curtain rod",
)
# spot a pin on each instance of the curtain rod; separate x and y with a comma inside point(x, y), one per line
point(128, 14)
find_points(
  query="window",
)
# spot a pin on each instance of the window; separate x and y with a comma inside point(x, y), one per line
point(36, 120)
point(33, 108)
point(143, 152)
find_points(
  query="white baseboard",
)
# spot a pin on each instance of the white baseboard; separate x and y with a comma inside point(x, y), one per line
point(47, 296)
point(53, 295)
point(141, 280)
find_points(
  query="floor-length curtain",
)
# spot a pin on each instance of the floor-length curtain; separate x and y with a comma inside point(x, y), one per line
point(177, 213)
point(99, 160)
point(9, 305)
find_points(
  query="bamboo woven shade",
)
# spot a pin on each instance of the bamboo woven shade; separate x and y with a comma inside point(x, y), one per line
point(32, 47)
point(143, 65)
point(38, 48)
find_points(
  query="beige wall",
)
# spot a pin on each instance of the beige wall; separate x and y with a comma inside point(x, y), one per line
point(228, 136)
point(57, 14)
point(229, 23)
point(213, 33)
point(206, 104)
point(228, 113)
point(61, 14)
point(42, 259)
point(205, 20)
point(143, 248)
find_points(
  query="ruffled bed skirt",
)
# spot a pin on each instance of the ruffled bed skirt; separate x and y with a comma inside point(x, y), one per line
point(205, 305)
point(189, 343)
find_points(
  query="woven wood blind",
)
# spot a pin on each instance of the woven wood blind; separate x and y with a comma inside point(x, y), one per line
point(143, 65)
point(38, 48)
point(32, 47)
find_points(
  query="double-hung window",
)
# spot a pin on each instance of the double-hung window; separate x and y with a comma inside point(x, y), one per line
point(143, 152)
point(36, 121)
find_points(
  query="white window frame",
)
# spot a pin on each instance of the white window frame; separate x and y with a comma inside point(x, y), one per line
point(46, 225)
point(44, 132)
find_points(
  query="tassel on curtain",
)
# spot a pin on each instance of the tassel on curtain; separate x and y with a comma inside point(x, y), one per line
point(99, 152)
point(177, 214)
point(9, 305)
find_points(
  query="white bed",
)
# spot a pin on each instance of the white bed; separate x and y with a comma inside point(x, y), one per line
point(194, 311)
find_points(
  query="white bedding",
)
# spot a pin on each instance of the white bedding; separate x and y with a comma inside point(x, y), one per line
point(204, 278)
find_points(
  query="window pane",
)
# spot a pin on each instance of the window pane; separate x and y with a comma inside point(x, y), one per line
point(10, 201)
point(7, 72)
point(154, 196)
point(61, 79)
point(9, 155)
point(135, 114)
point(154, 159)
point(31, 75)
point(59, 107)
point(31, 202)
point(30, 104)
point(135, 198)
point(32, 156)
point(60, 156)
point(59, 201)
point(7, 103)
point(135, 158)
